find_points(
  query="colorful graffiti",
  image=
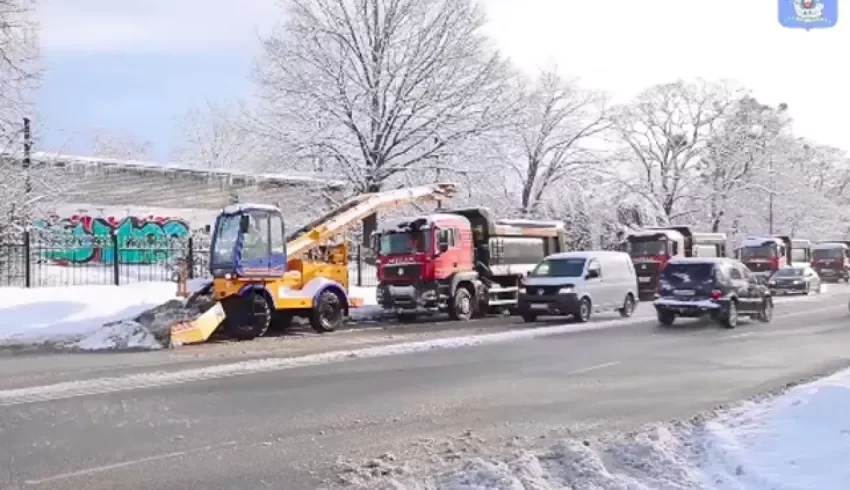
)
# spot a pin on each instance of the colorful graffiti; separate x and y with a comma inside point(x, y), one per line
point(83, 239)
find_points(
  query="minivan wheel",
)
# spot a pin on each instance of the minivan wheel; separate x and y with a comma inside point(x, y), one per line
point(730, 316)
point(628, 308)
point(583, 314)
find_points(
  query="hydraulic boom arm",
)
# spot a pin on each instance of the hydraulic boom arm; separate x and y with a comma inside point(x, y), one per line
point(357, 208)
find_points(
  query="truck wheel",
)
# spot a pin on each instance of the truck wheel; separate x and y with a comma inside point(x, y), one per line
point(584, 310)
point(327, 314)
point(666, 318)
point(406, 317)
point(248, 317)
point(529, 317)
point(628, 306)
point(461, 305)
point(729, 318)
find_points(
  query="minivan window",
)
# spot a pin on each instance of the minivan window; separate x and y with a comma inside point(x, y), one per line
point(559, 268)
point(676, 274)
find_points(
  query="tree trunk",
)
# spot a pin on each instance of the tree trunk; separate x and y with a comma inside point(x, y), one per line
point(370, 223)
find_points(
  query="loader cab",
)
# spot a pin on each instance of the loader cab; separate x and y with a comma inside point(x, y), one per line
point(248, 241)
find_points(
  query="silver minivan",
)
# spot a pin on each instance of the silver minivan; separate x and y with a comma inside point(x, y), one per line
point(578, 284)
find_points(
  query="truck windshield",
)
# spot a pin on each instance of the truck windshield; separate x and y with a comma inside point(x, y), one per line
point(761, 252)
point(404, 242)
point(225, 239)
point(647, 247)
point(827, 253)
point(559, 268)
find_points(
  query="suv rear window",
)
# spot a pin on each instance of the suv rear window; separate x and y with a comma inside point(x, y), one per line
point(676, 274)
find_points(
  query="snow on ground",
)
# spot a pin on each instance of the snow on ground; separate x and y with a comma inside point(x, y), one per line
point(799, 439)
point(74, 316)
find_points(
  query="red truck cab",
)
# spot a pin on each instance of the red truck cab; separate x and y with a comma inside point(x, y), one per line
point(419, 258)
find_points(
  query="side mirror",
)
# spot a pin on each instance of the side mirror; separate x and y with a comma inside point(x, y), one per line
point(592, 274)
point(244, 223)
point(207, 229)
point(443, 247)
point(375, 242)
point(442, 241)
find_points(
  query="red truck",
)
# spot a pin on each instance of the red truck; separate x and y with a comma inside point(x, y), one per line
point(462, 262)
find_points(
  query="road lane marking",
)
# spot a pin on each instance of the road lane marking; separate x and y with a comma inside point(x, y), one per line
point(593, 368)
point(109, 467)
point(160, 379)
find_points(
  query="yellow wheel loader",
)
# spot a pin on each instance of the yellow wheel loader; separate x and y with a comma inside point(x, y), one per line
point(261, 279)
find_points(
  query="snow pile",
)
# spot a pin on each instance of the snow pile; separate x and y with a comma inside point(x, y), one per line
point(81, 317)
point(798, 439)
point(370, 310)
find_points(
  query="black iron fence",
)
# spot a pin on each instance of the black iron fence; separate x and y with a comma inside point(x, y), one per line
point(40, 259)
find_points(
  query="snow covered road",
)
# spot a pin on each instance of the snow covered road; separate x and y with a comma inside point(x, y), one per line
point(425, 412)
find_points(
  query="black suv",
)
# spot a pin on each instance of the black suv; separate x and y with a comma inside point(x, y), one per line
point(722, 288)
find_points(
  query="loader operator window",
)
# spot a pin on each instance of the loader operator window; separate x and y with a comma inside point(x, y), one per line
point(278, 242)
point(225, 239)
point(256, 240)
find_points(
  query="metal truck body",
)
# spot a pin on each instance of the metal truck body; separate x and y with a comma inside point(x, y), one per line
point(652, 248)
point(463, 262)
point(801, 251)
point(764, 255)
point(831, 260)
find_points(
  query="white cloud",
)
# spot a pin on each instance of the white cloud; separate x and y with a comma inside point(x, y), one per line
point(624, 46)
point(97, 26)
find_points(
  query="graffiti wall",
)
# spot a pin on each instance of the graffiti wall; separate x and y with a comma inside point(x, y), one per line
point(83, 239)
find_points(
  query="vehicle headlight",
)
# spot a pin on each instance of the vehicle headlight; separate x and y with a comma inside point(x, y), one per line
point(522, 290)
point(565, 290)
point(771, 283)
point(798, 282)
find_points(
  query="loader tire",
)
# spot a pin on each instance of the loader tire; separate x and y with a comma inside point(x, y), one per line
point(328, 313)
point(248, 317)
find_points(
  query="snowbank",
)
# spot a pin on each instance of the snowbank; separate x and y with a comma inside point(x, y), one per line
point(370, 309)
point(797, 440)
point(74, 316)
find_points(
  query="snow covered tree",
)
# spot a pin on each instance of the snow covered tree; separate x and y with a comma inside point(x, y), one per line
point(556, 120)
point(214, 137)
point(376, 88)
point(119, 145)
point(665, 132)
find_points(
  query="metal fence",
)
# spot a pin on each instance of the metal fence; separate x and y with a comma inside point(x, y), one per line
point(40, 259)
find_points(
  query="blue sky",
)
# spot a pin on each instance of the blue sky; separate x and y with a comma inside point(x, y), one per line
point(139, 66)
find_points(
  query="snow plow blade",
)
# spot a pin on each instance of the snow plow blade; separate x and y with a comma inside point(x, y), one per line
point(198, 330)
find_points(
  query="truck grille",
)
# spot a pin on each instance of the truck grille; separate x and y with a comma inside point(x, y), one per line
point(759, 266)
point(402, 272)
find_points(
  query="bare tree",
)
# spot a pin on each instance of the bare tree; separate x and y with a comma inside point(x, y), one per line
point(737, 157)
point(375, 88)
point(213, 137)
point(119, 145)
point(557, 120)
point(665, 132)
point(19, 70)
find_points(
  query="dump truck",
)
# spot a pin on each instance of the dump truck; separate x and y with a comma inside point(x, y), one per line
point(801, 251)
point(651, 249)
point(463, 262)
point(831, 260)
point(764, 255)
point(261, 279)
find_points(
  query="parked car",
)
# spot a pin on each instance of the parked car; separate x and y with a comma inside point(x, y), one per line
point(579, 283)
point(794, 279)
point(721, 288)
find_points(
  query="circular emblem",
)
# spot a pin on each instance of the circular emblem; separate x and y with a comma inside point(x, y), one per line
point(643, 267)
point(540, 292)
point(400, 271)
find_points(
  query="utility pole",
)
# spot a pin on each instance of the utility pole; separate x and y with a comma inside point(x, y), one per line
point(27, 161)
point(770, 197)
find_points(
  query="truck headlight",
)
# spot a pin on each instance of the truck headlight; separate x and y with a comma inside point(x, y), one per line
point(521, 290)
point(565, 290)
point(771, 283)
point(798, 282)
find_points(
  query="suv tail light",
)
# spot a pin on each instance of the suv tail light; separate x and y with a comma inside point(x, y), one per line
point(716, 294)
